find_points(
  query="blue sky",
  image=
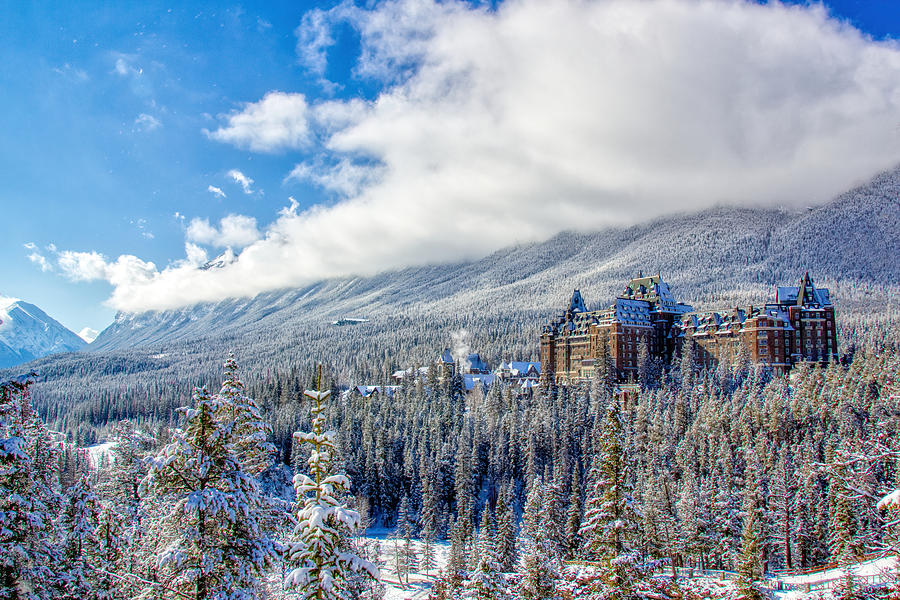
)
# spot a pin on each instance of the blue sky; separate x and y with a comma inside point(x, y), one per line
point(129, 127)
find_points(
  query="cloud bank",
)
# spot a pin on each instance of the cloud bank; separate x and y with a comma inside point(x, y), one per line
point(496, 127)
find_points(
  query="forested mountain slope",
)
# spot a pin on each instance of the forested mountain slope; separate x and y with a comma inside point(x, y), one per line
point(711, 259)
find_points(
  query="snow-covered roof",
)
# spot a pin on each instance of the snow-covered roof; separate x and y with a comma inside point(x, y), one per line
point(366, 391)
point(519, 368)
point(632, 312)
point(471, 379)
point(402, 373)
point(810, 293)
point(576, 304)
point(446, 357)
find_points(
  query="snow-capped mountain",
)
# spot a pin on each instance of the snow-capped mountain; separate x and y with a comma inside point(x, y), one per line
point(27, 332)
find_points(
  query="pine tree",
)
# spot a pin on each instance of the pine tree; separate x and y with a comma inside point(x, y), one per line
point(322, 564)
point(610, 521)
point(405, 559)
point(750, 563)
point(78, 524)
point(428, 522)
point(28, 556)
point(111, 549)
point(210, 537)
point(120, 485)
point(249, 429)
point(486, 581)
point(843, 542)
point(539, 567)
point(553, 518)
point(573, 517)
point(505, 542)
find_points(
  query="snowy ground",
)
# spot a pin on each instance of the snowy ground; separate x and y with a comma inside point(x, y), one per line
point(419, 583)
point(871, 572)
point(97, 452)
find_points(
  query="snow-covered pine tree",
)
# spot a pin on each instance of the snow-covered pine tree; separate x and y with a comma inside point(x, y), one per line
point(531, 517)
point(119, 488)
point(553, 517)
point(80, 546)
point(486, 580)
point(750, 561)
point(610, 520)
point(573, 516)
point(428, 523)
point(210, 541)
point(28, 555)
point(846, 549)
point(250, 431)
point(404, 555)
point(111, 549)
point(505, 539)
point(539, 566)
point(462, 478)
point(319, 553)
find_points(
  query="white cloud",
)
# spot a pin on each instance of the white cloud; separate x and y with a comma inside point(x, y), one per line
point(88, 334)
point(217, 192)
point(82, 266)
point(245, 182)
point(41, 261)
point(126, 271)
point(125, 68)
point(37, 257)
point(277, 122)
point(345, 178)
point(496, 127)
point(145, 122)
point(234, 231)
point(195, 255)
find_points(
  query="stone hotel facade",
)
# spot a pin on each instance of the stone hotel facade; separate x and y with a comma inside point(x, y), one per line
point(798, 326)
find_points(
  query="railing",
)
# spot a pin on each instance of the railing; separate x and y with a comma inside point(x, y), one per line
point(774, 580)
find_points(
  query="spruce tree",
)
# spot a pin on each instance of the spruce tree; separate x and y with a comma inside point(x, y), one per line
point(28, 555)
point(505, 540)
point(111, 551)
point(610, 520)
point(249, 430)
point(750, 562)
point(210, 538)
point(573, 516)
point(429, 524)
point(80, 545)
point(319, 556)
point(539, 568)
point(486, 580)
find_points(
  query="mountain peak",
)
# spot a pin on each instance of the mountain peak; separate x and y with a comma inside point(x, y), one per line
point(27, 332)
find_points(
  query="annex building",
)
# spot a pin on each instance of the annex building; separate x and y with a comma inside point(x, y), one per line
point(798, 326)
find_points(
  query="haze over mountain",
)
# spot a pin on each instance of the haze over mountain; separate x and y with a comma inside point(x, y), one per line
point(27, 332)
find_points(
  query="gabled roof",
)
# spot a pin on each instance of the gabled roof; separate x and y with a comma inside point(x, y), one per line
point(805, 294)
point(519, 368)
point(576, 304)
